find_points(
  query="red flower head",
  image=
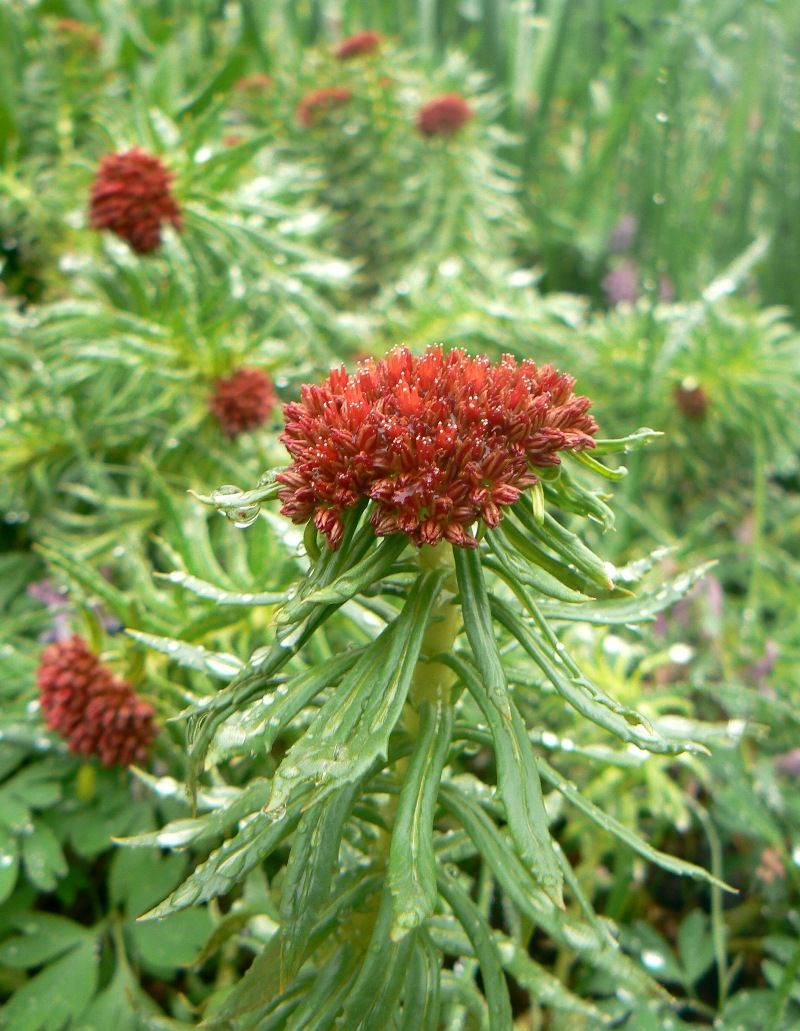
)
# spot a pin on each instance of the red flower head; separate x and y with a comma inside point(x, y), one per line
point(131, 197)
point(253, 84)
point(443, 116)
point(320, 102)
point(78, 34)
point(243, 401)
point(358, 45)
point(87, 705)
point(436, 442)
point(691, 399)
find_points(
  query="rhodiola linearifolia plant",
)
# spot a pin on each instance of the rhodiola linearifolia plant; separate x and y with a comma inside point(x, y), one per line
point(434, 491)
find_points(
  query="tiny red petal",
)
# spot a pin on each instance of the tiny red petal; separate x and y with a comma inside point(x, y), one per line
point(95, 712)
point(131, 197)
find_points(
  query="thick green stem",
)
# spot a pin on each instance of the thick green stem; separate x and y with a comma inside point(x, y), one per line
point(433, 680)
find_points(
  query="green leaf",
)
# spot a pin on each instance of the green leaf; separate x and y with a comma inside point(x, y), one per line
point(370, 1004)
point(374, 567)
point(352, 729)
point(623, 611)
point(485, 947)
point(176, 941)
point(191, 656)
point(632, 442)
point(43, 859)
point(412, 863)
point(517, 777)
point(613, 826)
point(81, 573)
point(42, 938)
point(231, 862)
point(598, 949)
point(308, 876)
point(57, 995)
point(585, 697)
point(695, 945)
point(9, 862)
point(597, 467)
point(138, 879)
point(322, 1002)
point(568, 546)
point(260, 985)
point(257, 728)
point(220, 596)
point(422, 991)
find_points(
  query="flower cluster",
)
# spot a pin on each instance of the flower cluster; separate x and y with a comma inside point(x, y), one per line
point(254, 84)
point(691, 399)
point(131, 197)
point(242, 401)
point(78, 35)
point(443, 116)
point(436, 442)
point(320, 102)
point(87, 705)
point(359, 45)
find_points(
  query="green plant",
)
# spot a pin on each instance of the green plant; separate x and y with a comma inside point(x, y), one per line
point(398, 848)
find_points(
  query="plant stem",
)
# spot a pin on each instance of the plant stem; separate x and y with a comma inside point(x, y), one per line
point(432, 680)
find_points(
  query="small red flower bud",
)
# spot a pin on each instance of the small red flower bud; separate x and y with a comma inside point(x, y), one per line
point(358, 45)
point(443, 116)
point(242, 401)
point(131, 197)
point(94, 711)
point(253, 84)
point(320, 102)
point(436, 442)
point(691, 399)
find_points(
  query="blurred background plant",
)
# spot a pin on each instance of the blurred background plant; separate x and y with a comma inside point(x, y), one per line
point(620, 197)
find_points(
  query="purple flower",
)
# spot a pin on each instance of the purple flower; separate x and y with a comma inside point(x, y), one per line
point(622, 234)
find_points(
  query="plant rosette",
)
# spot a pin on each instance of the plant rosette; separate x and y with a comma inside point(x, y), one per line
point(432, 610)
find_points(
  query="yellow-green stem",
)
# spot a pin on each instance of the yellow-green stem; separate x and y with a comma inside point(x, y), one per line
point(432, 680)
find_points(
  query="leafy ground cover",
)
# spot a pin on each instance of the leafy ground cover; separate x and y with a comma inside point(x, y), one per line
point(521, 748)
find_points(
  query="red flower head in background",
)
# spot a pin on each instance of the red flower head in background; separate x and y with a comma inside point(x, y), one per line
point(360, 44)
point(243, 401)
point(87, 705)
point(131, 197)
point(443, 116)
point(254, 84)
point(691, 399)
point(78, 35)
point(320, 102)
point(436, 441)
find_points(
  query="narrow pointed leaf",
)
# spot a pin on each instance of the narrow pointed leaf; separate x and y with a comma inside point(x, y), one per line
point(642, 608)
point(371, 1003)
point(485, 948)
point(609, 823)
point(352, 729)
point(412, 863)
point(374, 567)
point(517, 776)
point(308, 876)
point(422, 991)
point(579, 694)
point(230, 863)
point(191, 656)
